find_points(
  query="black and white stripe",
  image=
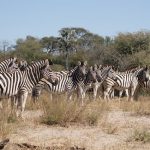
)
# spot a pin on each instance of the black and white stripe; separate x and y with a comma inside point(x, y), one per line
point(21, 82)
point(97, 76)
point(8, 65)
point(63, 85)
point(123, 81)
point(68, 81)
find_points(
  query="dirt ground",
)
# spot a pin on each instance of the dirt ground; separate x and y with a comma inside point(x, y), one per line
point(113, 133)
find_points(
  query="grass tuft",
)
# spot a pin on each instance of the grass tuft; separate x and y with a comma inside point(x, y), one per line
point(62, 112)
point(140, 135)
point(7, 118)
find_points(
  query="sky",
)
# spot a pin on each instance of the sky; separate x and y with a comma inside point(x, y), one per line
point(39, 18)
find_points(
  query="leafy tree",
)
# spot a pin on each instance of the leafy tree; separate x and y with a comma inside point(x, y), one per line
point(131, 43)
point(29, 49)
point(50, 44)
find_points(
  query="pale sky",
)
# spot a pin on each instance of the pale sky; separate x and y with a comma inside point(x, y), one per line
point(39, 18)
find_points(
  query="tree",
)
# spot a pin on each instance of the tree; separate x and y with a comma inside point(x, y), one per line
point(29, 49)
point(66, 42)
point(131, 43)
point(50, 44)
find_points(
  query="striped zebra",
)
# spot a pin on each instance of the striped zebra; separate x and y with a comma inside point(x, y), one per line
point(120, 92)
point(101, 74)
point(123, 81)
point(9, 65)
point(68, 81)
point(63, 84)
point(20, 83)
point(92, 77)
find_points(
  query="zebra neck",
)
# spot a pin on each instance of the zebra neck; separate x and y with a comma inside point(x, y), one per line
point(33, 74)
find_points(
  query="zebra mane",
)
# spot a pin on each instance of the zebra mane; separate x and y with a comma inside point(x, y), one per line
point(40, 64)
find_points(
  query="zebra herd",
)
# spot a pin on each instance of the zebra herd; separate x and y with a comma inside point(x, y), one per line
point(18, 79)
point(97, 78)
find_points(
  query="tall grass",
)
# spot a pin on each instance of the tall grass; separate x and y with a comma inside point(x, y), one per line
point(140, 107)
point(140, 135)
point(62, 112)
point(7, 119)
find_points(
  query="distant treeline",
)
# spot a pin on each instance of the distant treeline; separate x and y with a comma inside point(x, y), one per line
point(124, 51)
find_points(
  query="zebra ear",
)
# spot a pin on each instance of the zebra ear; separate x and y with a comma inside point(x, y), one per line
point(91, 68)
point(25, 63)
point(15, 59)
point(95, 67)
point(32, 62)
point(146, 68)
point(79, 63)
point(46, 62)
point(50, 62)
point(85, 63)
point(99, 67)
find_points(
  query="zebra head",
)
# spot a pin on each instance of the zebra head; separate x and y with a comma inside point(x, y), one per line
point(143, 75)
point(79, 72)
point(48, 74)
point(13, 66)
point(109, 72)
point(22, 65)
point(98, 71)
point(91, 76)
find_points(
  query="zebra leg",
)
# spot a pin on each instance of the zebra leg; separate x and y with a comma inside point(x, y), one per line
point(132, 93)
point(112, 93)
point(136, 93)
point(81, 94)
point(101, 92)
point(69, 94)
point(127, 93)
point(12, 102)
point(120, 94)
point(106, 94)
point(22, 102)
point(95, 88)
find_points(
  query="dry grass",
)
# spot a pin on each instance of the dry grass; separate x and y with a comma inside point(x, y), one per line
point(140, 107)
point(140, 135)
point(109, 128)
point(7, 120)
point(62, 112)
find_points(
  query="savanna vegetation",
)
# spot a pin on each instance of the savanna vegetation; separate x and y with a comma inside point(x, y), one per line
point(124, 51)
point(107, 125)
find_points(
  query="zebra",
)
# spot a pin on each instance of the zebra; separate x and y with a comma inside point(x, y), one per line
point(92, 77)
point(100, 74)
point(124, 81)
point(20, 83)
point(62, 85)
point(68, 81)
point(112, 91)
point(8, 65)
point(65, 82)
